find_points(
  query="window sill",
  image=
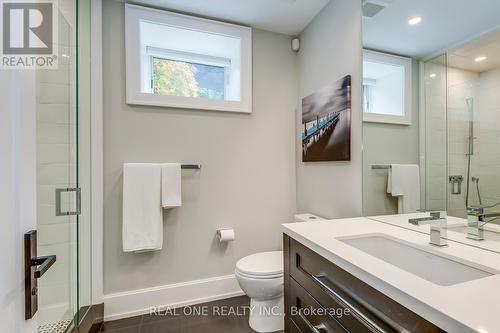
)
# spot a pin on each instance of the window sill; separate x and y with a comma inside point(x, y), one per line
point(386, 119)
point(188, 103)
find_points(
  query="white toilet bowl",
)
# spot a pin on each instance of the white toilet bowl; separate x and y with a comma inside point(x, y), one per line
point(260, 276)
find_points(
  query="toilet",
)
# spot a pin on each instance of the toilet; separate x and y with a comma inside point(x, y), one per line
point(260, 276)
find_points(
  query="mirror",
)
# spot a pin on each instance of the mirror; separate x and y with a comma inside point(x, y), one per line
point(431, 106)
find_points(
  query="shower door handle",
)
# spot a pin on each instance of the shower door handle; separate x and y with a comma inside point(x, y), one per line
point(42, 264)
point(34, 268)
point(78, 198)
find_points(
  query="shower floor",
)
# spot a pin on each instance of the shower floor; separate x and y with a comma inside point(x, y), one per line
point(58, 327)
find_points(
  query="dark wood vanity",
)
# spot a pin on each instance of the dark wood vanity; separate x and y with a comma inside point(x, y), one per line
point(321, 297)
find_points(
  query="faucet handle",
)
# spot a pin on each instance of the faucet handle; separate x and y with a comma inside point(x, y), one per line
point(436, 215)
point(475, 210)
point(433, 213)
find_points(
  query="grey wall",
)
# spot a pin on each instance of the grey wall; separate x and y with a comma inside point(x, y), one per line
point(331, 49)
point(387, 144)
point(248, 176)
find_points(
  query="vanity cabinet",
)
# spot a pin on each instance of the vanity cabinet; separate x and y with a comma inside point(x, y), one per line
point(321, 297)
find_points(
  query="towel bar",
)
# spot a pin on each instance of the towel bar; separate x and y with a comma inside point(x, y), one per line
point(191, 166)
point(384, 167)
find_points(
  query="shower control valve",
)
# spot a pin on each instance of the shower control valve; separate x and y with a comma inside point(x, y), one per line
point(456, 184)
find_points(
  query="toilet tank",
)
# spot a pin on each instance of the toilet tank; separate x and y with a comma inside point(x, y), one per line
point(307, 217)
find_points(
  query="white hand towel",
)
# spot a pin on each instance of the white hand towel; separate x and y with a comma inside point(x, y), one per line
point(142, 213)
point(171, 192)
point(404, 182)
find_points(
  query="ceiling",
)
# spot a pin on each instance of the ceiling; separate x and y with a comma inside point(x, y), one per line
point(464, 56)
point(288, 17)
point(446, 23)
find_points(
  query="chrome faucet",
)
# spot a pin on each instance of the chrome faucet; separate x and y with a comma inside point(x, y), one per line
point(426, 220)
point(438, 227)
point(438, 233)
point(476, 219)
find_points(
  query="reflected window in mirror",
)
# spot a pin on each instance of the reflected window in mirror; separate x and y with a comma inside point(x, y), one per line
point(386, 88)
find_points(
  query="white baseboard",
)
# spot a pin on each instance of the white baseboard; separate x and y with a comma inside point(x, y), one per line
point(139, 302)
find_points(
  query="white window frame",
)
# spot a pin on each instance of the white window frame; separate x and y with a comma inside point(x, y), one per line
point(135, 54)
point(384, 58)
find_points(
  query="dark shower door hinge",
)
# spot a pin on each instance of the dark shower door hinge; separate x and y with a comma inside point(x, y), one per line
point(34, 268)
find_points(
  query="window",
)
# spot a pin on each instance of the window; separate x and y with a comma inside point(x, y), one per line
point(181, 74)
point(386, 88)
point(181, 61)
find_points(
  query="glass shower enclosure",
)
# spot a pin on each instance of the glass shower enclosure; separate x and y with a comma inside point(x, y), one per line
point(63, 173)
point(461, 142)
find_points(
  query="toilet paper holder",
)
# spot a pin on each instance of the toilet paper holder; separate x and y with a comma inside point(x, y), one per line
point(225, 234)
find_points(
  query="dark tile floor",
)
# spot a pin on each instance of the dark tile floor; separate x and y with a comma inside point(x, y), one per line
point(224, 316)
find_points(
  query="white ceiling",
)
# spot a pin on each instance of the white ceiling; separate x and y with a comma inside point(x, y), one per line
point(488, 46)
point(445, 23)
point(288, 17)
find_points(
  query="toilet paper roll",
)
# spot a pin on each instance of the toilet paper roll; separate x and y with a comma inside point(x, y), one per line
point(225, 235)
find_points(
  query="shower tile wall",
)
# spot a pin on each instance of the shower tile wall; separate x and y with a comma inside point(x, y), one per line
point(485, 163)
point(461, 85)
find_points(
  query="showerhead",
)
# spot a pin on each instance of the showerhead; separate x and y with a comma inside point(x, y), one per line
point(470, 107)
point(470, 104)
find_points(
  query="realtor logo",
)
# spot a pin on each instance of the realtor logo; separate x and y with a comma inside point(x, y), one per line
point(29, 34)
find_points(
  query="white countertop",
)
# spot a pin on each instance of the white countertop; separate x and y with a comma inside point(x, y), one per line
point(472, 306)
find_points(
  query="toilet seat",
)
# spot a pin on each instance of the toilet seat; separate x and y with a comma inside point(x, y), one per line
point(259, 277)
point(264, 265)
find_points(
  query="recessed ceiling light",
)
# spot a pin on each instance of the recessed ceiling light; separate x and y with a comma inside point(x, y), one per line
point(479, 59)
point(415, 20)
point(433, 75)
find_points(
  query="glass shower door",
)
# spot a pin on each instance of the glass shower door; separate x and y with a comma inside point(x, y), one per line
point(64, 174)
point(435, 146)
point(57, 203)
point(83, 108)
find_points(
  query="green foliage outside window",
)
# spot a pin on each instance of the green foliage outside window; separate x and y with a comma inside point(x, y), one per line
point(177, 78)
point(174, 78)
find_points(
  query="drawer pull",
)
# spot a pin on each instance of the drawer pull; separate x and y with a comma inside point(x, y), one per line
point(315, 328)
point(342, 300)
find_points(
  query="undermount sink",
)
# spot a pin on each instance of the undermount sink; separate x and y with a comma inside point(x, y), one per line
point(431, 266)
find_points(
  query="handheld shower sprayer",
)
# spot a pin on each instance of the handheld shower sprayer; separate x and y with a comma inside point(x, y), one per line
point(470, 109)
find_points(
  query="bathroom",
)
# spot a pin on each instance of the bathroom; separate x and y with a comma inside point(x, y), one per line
point(249, 166)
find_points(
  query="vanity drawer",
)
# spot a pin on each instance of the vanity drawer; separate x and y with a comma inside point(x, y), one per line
point(333, 287)
point(292, 327)
point(309, 315)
